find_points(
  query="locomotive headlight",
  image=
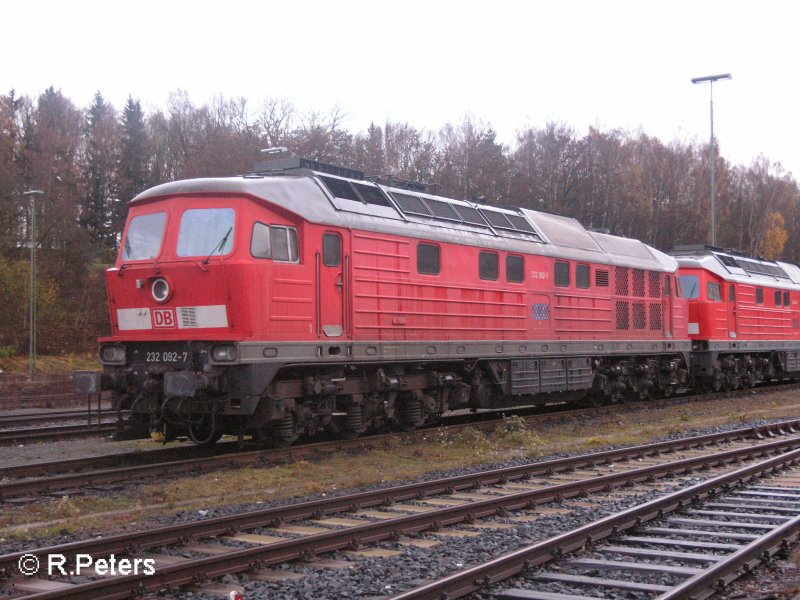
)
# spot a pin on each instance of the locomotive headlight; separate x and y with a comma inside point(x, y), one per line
point(224, 353)
point(160, 290)
point(112, 355)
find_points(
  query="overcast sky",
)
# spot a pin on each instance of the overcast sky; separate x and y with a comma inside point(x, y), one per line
point(609, 64)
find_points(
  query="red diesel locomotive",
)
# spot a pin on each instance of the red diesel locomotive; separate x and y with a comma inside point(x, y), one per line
point(304, 297)
point(744, 317)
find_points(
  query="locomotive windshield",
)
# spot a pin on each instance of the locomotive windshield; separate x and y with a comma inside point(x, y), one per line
point(145, 234)
point(691, 286)
point(205, 231)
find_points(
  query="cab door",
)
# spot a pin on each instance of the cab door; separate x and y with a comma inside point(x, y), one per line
point(666, 308)
point(731, 310)
point(332, 286)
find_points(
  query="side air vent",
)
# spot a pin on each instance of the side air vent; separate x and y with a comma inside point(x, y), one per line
point(654, 283)
point(638, 283)
point(623, 315)
point(601, 278)
point(621, 281)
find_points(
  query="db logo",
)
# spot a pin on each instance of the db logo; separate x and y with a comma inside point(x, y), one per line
point(164, 318)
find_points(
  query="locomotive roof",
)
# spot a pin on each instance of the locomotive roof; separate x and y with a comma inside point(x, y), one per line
point(733, 266)
point(342, 202)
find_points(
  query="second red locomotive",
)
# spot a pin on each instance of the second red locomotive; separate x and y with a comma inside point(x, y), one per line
point(744, 317)
point(304, 297)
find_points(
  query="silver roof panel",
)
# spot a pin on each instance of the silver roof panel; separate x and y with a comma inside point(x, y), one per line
point(304, 196)
point(711, 263)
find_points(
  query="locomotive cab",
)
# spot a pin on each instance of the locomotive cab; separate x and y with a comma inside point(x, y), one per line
point(183, 297)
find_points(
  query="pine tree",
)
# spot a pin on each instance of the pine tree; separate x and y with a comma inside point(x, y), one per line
point(100, 185)
point(133, 159)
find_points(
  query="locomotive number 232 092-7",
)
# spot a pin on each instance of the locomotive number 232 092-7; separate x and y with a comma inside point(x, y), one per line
point(166, 357)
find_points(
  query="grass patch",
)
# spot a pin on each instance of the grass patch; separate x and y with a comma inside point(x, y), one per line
point(63, 364)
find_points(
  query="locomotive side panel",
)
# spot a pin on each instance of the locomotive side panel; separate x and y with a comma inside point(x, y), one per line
point(408, 289)
point(761, 313)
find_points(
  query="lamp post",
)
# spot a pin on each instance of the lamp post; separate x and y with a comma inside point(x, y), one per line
point(32, 339)
point(711, 79)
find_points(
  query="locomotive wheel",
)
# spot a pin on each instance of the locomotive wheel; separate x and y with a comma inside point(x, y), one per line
point(276, 435)
point(204, 433)
point(352, 425)
point(594, 399)
point(411, 415)
point(285, 432)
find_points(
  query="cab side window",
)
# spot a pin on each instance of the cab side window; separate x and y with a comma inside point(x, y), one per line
point(429, 260)
point(277, 242)
point(583, 276)
point(488, 266)
point(260, 245)
point(331, 250)
point(562, 274)
point(515, 268)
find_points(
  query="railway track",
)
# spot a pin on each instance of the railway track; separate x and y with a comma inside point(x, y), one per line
point(11, 420)
point(90, 473)
point(688, 544)
point(744, 528)
point(55, 433)
point(442, 507)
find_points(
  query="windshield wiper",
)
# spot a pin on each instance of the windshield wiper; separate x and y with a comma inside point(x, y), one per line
point(219, 246)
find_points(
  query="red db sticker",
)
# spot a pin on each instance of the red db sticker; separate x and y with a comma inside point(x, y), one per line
point(164, 318)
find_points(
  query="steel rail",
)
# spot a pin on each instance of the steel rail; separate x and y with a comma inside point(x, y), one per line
point(480, 576)
point(79, 414)
point(389, 495)
point(68, 474)
point(292, 549)
point(51, 468)
point(729, 569)
point(539, 413)
point(108, 461)
point(16, 436)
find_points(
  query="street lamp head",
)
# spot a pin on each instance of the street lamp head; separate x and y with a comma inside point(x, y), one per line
point(32, 193)
point(712, 78)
